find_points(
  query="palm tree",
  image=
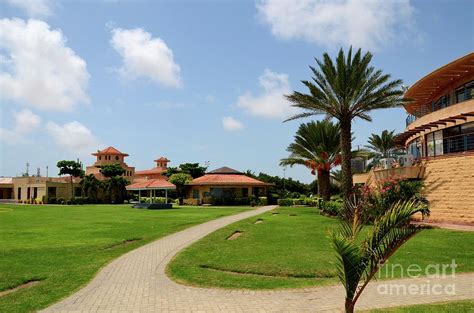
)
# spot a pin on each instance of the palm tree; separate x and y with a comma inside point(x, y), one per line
point(90, 186)
point(382, 144)
point(316, 146)
point(347, 89)
point(359, 260)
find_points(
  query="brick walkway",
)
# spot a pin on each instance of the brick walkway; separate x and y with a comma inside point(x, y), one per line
point(136, 282)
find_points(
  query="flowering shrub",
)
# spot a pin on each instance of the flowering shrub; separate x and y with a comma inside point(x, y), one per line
point(376, 200)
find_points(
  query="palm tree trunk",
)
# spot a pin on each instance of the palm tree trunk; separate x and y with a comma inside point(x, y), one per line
point(72, 188)
point(324, 190)
point(349, 306)
point(346, 146)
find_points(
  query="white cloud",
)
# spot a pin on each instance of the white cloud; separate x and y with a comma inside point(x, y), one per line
point(363, 23)
point(147, 56)
point(231, 124)
point(74, 137)
point(33, 7)
point(271, 103)
point(25, 122)
point(38, 68)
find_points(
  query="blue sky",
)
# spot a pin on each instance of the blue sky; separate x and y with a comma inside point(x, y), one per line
point(195, 81)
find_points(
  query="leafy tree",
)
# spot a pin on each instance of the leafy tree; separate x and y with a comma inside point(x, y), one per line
point(111, 170)
point(345, 89)
point(71, 168)
point(114, 184)
point(359, 259)
point(193, 169)
point(90, 187)
point(316, 146)
point(180, 180)
point(281, 186)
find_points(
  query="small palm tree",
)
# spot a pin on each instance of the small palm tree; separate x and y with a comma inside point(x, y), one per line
point(90, 186)
point(316, 146)
point(358, 261)
point(382, 144)
point(345, 89)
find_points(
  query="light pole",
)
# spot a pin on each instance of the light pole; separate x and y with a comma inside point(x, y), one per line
point(284, 179)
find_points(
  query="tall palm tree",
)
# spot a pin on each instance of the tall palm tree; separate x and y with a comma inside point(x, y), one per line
point(317, 147)
point(90, 186)
point(382, 144)
point(359, 260)
point(346, 89)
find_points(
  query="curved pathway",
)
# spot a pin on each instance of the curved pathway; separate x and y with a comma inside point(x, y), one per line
point(136, 282)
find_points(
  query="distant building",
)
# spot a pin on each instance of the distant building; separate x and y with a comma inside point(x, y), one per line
point(224, 182)
point(110, 156)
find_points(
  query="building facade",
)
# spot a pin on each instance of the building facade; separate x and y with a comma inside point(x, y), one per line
point(224, 183)
point(439, 139)
point(110, 156)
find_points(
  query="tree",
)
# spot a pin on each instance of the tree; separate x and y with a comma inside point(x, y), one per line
point(115, 183)
point(111, 170)
point(359, 260)
point(382, 144)
point(90, 187)
point(316, 145)
point(346, 89)
point(71, 168)
point(180, 180)
point(193, 169)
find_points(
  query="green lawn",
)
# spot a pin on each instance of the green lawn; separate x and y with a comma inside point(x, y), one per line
point(64, 246)
point(292, 249)
point(446, 307)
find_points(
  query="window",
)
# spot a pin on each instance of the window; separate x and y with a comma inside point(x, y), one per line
point(195, 194)
point(245, 192)
point(19, 193)
point(441, 103)
point(430, 144)
point(116, 158)
point(465, 92)
point(51, 192)
point(28, 193)
point(438, 139)
point(77, 191)
point(35, 192)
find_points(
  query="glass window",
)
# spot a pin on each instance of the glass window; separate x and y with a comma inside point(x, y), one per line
point(438, 139)
point(116, 158)
point(19, 193)
point(430, 144)
point(467, 128)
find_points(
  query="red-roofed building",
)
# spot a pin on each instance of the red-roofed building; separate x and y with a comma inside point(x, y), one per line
point(224, 182)
point(110, 156)
point(155, 172)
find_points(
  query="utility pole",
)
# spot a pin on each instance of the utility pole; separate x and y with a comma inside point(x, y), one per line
point(284, 179)
point(27, 169)
point(47, 171)
point(38, 172)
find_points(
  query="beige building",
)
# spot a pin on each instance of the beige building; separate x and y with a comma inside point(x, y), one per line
point(39, 188)
point(439, 139)
point(110, 156)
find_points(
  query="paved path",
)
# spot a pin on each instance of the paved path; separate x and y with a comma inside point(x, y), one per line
point(136, 282)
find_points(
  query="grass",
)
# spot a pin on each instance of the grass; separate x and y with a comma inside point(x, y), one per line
point(447, 307)
point(292, 249)
point(65, 246)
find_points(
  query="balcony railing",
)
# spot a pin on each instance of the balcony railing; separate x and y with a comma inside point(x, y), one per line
point(458, 143)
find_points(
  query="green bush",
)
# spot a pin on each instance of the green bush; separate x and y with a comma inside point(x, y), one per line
point(312, 202)
point(285, 202)
point(262, 201)
point(331, 208)
point(52, 200)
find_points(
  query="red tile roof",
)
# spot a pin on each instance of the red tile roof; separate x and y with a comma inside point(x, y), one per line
point(155, 170)
point(162, 159)
point(151, 184)
point(109, 151)
point(227, 180)
point(224, 170)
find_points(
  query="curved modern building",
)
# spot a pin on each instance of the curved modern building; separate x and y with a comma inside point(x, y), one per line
point(439, 134)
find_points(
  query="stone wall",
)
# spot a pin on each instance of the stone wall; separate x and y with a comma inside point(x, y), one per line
point(449, 188)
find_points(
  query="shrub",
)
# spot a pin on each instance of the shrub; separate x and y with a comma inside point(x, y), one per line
point(262, 200)
point(331, 208)
point(376, 200)
point(59, 200)
point(242, 201)
point(299, 201)
point(312, 201)
point(68, 202)
point(52, 200)
point(285, 202)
